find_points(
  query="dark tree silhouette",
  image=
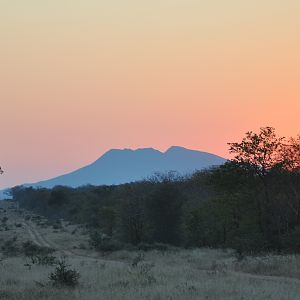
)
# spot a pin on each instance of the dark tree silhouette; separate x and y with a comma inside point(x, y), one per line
point(251, 203)
point(269, 157)
point(259, 151)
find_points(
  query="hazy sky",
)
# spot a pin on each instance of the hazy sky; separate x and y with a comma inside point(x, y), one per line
point(78, 77)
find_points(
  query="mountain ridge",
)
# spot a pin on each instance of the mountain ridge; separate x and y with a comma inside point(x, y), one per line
point(117, 166)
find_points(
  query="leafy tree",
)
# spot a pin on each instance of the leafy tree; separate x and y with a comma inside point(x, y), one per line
point(260, 153)
point(58, 197)
point(164, 210)
point(251, 203)
point(133, 225)
point(291, 154)
point(275, 161)
point(107, 219)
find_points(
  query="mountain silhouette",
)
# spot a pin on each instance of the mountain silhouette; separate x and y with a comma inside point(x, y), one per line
point(119, 166)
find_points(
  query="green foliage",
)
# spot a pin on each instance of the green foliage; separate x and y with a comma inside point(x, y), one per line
point(10, 247)
point(43, 260)
point(133, 226)
point(259, 151)
point(31, 249)
point(58, 197)
point(251, 203)
point(164, 210)
point(64, 276)
point(102, 242)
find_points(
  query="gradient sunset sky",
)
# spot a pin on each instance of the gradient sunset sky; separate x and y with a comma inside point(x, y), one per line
point(78, 77)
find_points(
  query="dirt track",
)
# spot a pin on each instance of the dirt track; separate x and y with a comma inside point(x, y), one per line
point(39, 239)
point(36, 237)
point(42, 240)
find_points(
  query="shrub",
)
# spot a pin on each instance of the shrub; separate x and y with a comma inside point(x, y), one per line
point(63, 276)
point(31, 249)
point(57, 226)
point(44, 260)
point(10, 248)
point(102, 242)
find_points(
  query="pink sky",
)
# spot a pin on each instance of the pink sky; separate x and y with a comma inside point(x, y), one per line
point(80, 77)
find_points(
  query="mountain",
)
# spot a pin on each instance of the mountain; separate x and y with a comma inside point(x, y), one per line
point(120, 166)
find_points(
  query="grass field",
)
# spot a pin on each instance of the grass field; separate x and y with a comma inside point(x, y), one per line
point(173, 274)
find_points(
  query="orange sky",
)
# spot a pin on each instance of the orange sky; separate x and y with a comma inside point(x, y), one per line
point(78, 77)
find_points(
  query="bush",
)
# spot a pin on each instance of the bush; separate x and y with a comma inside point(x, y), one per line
point(44, 260)
point(102, 242)
point(63, 276)
point(57, 226)
point(31, 249)
point(10, 248)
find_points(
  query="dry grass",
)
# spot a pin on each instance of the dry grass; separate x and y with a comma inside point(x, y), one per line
point(170, 276)
point(175, 274)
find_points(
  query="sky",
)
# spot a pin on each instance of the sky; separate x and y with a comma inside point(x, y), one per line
point(79, 77)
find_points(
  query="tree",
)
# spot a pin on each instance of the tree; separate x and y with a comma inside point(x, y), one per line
point(1, 171)
point(275, 161)
point(107, 219)
point(133, 226)
point(260, 152)
point(291, 154)
point(164, 210)
point(291, 164)
point(58, 196)
point(229, 218)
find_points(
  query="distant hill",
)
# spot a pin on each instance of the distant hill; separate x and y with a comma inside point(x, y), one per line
point(121, 166)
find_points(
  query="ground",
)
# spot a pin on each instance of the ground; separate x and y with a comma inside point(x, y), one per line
point(173, 274)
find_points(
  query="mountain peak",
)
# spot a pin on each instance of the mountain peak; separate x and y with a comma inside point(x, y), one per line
point(176, 149)
point(118, 166)
point(149, 149)
point(128, 150)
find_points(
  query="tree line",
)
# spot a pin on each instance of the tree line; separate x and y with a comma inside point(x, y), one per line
point(251, 203)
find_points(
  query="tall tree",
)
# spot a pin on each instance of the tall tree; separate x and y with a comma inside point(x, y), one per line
point(291, 154)
point(269, 157)
point(260, 152)
point(164, 210)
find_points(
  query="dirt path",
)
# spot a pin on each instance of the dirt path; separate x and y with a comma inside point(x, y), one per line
point(265, 277)
point(32, 235)
point(40, 240)
point(36, 237)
